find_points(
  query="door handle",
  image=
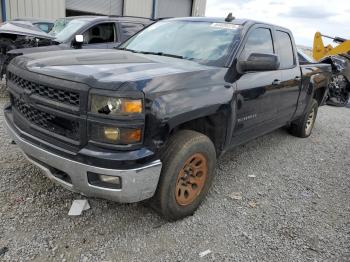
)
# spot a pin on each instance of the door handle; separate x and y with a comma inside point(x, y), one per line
point(297, 78)
point(276, 82)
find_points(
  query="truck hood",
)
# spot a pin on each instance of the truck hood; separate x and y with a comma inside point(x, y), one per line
point(108, 69)
point(23, 28)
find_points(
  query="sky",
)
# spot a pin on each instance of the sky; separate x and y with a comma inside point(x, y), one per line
point(302, 17)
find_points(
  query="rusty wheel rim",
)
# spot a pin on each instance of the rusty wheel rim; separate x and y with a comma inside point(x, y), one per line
point(191, 179)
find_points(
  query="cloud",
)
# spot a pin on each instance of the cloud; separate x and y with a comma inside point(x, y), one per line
point(308, 12)
point(302, 17)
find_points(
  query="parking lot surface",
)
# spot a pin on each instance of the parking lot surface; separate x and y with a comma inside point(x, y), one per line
point(277, 198)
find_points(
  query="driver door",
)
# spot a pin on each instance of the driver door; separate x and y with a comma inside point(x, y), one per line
point(257, 92)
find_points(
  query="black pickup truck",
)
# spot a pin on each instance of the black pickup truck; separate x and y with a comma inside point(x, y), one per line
point(148, 121)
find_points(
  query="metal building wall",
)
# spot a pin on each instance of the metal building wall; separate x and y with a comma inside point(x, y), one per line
point(165, 8)
point(171, 8)
point(103, 7)
point(143, 8)
point(198, 8)
point(49, 9)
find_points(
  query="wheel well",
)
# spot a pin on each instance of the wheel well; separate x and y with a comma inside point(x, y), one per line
point(319, 95)
point(213, 126)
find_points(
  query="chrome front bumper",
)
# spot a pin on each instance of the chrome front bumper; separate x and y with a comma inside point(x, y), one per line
point(137, 184)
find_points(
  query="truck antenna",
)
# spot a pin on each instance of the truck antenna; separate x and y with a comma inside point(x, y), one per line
point(229, 18)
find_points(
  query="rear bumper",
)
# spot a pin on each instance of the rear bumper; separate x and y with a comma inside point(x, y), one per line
point(137, 184)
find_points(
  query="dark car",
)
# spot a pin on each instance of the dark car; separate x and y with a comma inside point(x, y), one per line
point(97, 31)
point(149, 121)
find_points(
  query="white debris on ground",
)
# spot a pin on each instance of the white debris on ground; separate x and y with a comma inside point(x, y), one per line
point(204, 253)
point(78, 206)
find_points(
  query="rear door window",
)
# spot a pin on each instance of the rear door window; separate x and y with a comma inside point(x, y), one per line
point(285, 52)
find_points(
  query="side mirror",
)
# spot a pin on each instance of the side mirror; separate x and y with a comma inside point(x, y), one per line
point(259, 62)
point(78, 41)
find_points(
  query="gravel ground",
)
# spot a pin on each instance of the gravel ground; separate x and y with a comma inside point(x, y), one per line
point(277, 198)
point(3, 91)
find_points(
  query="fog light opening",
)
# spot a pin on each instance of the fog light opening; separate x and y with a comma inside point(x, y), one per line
point(110, 179)
point(105, 181)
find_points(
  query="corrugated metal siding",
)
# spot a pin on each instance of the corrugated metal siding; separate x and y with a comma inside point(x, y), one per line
point(199, 7)
point(142, 8)
point(104, 7)
point(49, 9)
point(171, 8)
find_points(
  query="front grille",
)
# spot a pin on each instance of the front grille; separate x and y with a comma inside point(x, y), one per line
point(47, 121)
point(59, 95)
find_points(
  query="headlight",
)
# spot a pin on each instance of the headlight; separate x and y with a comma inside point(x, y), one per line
point(115, 106)
point(115, 135)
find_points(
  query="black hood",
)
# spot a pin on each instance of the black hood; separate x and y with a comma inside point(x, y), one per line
point(23, 28)
point(106, 68)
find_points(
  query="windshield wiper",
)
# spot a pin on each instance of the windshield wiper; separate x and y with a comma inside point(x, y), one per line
point(153, 53)
point(125, 49)
point(161, 54)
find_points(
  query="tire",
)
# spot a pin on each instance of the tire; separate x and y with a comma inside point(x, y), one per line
point(189, 162)
point(339, 91)
point(304, 125)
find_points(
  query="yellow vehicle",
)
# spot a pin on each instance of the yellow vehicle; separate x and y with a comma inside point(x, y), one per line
point(339, 57)
point(320, 51)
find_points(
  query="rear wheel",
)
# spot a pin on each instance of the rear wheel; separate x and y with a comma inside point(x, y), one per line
point(339, 91)
point(304, 125)
point(187, 173)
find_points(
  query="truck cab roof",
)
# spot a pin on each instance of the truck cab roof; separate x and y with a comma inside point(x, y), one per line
point(241, 21)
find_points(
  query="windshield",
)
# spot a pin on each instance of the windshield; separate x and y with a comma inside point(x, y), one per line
point(206, 42)
point(64, 29)
point(58, 26)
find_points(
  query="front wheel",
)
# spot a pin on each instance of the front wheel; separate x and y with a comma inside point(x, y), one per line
point(187, 173)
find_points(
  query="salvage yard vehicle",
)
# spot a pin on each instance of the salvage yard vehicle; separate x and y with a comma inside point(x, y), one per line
point(93, 32)
point(18, 34)
point(339, 58)
point(149, 120)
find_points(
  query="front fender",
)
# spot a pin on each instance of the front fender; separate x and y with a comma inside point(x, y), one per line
point(187, 104)
point(171, 110)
